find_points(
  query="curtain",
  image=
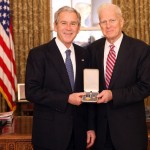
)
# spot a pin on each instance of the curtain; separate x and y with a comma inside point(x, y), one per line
point(31, 27)
point(136, 14)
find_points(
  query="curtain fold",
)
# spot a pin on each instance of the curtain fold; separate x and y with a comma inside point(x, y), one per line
point(137, 18)
point(31, 27)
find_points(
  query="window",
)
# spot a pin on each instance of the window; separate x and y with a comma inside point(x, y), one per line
point(90, 29)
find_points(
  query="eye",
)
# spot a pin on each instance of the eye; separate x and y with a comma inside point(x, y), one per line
point(103, 22)
point(73, 23)
point(112, 20)
point(63, 23)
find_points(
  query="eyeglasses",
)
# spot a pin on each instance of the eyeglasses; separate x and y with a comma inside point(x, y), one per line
point(105, 22)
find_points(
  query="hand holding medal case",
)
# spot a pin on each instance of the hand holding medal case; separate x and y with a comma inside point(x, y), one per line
point(91, 85)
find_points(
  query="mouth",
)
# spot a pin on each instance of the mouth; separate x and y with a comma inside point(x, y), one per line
point(68, 33)
point(109, 31)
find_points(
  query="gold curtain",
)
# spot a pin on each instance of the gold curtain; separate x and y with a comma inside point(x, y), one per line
point(31, 27)
point(3, 104)
point(136, 14)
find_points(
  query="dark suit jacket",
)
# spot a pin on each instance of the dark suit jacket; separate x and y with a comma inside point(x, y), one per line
point(130, 84)
point(47, 86)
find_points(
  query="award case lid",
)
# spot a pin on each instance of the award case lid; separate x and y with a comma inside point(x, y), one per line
point(91, 80)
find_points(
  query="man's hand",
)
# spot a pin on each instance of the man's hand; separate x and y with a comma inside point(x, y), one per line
point(76, 98)
point(90, 138)
point(105, 96)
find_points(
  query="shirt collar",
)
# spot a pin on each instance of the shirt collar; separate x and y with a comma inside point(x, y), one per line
point(117, 43)
point(62, 47)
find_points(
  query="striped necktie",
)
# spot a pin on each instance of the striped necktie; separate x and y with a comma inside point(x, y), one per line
point(69, 68)
point(111, 59)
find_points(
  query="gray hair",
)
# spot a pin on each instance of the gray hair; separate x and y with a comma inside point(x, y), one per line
point(107, 5)
point(67, 9)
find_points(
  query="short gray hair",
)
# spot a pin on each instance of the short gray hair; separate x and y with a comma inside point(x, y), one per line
point(67, 9)
point(106, 5)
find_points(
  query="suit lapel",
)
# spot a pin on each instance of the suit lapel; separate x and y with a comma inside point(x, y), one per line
point(79, 64)
point(58, 62)
point(120, 61)
point(100, 62)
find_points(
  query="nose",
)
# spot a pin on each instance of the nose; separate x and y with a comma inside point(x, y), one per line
point(68, 26)
point(108, 24)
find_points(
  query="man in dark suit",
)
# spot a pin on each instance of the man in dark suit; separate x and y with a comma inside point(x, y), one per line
point(124, 83)
point(60, 121)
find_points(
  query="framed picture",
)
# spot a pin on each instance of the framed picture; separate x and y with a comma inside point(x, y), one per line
point(21, 93)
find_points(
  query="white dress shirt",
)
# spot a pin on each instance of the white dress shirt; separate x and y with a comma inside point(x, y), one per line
point(107, 48)
point(62, 48)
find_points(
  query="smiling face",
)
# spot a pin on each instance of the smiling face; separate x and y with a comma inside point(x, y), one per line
point(67, 27)
point(111, 23)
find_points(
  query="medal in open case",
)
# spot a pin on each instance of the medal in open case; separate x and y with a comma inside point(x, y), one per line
point(91, 85)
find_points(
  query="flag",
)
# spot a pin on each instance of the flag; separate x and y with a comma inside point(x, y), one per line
point(8, 81)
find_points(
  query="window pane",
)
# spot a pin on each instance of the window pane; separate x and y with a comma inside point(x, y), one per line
point(87, 9)
point(56, 4)
point(85, 37)
point(90, 30)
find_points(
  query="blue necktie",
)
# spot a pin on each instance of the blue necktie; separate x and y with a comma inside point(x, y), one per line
point(69, 68)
